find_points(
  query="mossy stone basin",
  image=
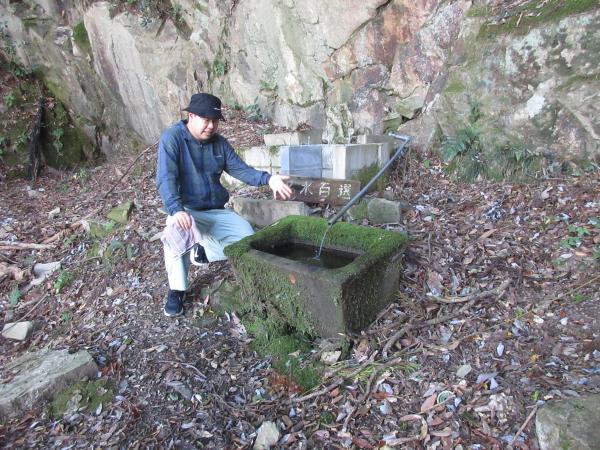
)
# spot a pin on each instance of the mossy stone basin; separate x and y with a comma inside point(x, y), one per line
point(315, 300)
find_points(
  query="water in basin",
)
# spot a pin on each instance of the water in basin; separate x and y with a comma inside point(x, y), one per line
point(304, 253)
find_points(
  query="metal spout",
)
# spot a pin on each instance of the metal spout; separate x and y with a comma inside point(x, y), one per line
point(399, 152)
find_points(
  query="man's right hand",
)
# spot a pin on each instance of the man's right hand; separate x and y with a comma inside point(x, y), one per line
point(183, 220)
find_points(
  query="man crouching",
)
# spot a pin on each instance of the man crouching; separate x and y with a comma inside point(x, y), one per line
point(191, 158)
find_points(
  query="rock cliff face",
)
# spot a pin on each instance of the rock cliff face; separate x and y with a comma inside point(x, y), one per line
point(345, 65)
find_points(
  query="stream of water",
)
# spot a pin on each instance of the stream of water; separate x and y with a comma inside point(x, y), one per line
point(318, 253)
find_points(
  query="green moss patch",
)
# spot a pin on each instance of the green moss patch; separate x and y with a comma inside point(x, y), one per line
point(478, 11)
point(19, 104)
point(82, 396)
point(535, 13)
point(455, 86)
point(64, 144)
point(578, 79)
point(367, 173)
point(81, 38)
point(101, 230)
point(359, 211)
point(289, 350)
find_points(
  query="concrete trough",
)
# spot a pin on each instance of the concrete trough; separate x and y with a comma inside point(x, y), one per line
point(315, 300)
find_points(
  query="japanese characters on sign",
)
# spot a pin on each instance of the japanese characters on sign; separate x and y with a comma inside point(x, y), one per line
point(317, 190)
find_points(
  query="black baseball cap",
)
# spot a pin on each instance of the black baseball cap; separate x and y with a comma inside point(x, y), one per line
point(205, 105)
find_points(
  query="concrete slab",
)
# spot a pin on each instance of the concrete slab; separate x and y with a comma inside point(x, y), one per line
point(306, 137)
point(335, 161)
point(262, 157)
point(376, 139)
point(387, 144)
point(302, 160)
point(348, 160)
point(261, 212)
point(40, 375)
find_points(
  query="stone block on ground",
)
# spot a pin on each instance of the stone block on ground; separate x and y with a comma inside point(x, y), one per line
point(40, 375)
point(120, 213)
point(359, 211)
point(267, 436)
point(377, 210)
point(572, 424)
point(384, 211)
point(18, 331)
point(306, 137)
point(263, 212)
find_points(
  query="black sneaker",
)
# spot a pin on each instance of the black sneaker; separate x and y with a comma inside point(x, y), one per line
point(174, 304)
point(198, 255)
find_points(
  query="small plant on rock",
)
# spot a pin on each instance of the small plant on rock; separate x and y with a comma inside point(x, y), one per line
point(64, 279)
point(468, 158)
point(57, 134)
point(267, 86)
point(219, 67)
point(176, 13)
point(464, 152)
point(21, 140)
point(3, 145)
point(10, 99)
point(253, 112)
point(14, 296)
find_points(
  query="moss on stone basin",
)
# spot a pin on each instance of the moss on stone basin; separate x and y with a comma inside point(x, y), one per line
point(315, 300)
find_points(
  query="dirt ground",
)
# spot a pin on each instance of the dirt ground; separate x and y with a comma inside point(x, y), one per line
point(498, 312)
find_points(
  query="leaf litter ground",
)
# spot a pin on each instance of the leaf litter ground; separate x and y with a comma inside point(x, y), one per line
point(498, 312)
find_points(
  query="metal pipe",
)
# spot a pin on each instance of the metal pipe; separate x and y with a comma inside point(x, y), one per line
point(399, 151)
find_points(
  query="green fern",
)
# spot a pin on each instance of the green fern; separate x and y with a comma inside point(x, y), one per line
point(464, 154)
point(468, 159)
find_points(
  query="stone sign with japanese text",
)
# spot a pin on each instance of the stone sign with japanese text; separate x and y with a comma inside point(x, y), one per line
point(320, 190)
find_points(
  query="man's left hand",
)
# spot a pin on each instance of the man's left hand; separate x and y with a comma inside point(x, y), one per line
point(279, 187)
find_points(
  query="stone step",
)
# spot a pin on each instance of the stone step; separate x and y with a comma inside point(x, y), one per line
point(263, 212)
